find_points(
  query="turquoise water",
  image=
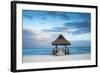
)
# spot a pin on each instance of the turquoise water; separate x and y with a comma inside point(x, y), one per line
point(48, 51)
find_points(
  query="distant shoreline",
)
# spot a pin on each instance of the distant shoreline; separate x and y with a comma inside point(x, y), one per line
point(51, 58)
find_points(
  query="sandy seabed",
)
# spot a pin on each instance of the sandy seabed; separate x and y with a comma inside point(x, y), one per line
point(51, 58)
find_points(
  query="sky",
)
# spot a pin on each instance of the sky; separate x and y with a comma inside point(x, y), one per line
point(41, 28)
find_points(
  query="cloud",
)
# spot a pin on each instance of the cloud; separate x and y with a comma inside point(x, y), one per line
point(45, 15)
point(60, 15)
point(29, 40)
point(54, 30)
point(80, 27)
point(78, 24)
point(27, 33)
point(27, 16)
point(59, 29)
point(32, 39)
point(84, 36)
point(79, 43)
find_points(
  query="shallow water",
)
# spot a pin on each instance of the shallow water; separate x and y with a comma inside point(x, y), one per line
point(48, 51)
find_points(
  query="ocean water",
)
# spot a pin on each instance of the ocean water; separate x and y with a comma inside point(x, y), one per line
point(48, 51)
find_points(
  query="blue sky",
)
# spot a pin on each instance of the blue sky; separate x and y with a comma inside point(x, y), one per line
point(40, 28)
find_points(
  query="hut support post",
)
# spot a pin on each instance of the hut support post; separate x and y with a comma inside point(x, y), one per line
point(56, 50)
point(53, 51)
point(65, 49)
point(68, 50)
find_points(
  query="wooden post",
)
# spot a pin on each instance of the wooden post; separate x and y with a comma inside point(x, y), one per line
point(53, 51)
point(56, 50)
point(68, 50)
point(65, 50)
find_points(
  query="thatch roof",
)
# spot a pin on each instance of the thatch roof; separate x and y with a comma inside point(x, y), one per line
point(61, 41)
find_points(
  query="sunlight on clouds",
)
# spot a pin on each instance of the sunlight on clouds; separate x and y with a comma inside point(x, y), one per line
point(85, 36)
point(73, 30)
point(42, 36)
point(39, 35)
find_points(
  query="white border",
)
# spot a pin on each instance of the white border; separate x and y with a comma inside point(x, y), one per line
point(53, 64)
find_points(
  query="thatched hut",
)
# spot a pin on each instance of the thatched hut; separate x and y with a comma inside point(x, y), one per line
point(62, 42)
